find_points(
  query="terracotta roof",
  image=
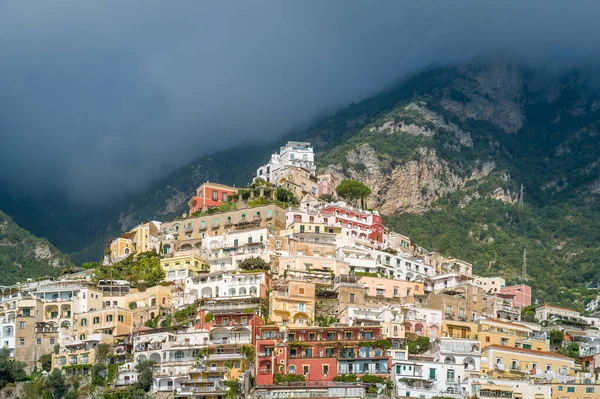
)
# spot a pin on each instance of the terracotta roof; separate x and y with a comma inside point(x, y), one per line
point(508, 323)
point(527, 351)
point(217, 185)
point(556, 307)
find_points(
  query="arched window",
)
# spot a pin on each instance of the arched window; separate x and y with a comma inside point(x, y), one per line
point(232, 292)
point(292, 369)
point(166, 249)
point(126, 251)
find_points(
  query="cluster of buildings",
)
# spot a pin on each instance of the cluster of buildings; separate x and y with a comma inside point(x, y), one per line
point(342, 308)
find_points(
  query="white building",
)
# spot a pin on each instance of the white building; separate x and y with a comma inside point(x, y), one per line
point(7, 332)
point(425, 378)
point(294, 153)
point(224, 285)
point(224, 252)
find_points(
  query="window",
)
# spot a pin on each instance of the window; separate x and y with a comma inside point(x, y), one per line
point(120, 318)
point(224, 197)
point(461, 313)
point(216, 222)
point(51, 341)
point(560, 388)
point(450, 375)
point(352, 298)
point(225, 321)
point(244, 320)
point(448, 310)
point(215, 195)
point(301, 307)
point(395, 291)
point(305, 370)
point(96, 320)
point(292, 370)
point(38, 341)
point(22, 325)
point(326, 369)
point(22, 341)
point(570, 389)
point(487, 339)
point(109, 318)
point(589, 390)
point(82, 337)
point(249, 240)
point(348, 335)
point(243, 217)
point(300, 291)
point(236, 242)
point(475, 297)
point(203, 224)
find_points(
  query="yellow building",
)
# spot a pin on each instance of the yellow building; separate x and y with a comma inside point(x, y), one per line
point(577, 390)
point(135, 241)
point(459, 329)
point(293, 303)
point(503, 333)
point(80, 352)
point(111, 321)
point(182, 265)
point(506, 361)
point(149, 304)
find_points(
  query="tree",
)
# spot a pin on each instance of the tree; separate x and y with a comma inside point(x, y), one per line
point(327, 198)
point(556, 338)
point(56, 384)
point(528, 314)
point(99, 372)
point(10, 370)
point(46, 362)
point(352, 191)
point(145, 370)
point(253, 263)
point(284, 195)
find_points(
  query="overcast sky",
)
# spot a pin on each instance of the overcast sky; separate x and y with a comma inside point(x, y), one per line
point(99, 97)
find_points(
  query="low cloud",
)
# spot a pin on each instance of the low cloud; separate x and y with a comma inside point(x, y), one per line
point(98, 98)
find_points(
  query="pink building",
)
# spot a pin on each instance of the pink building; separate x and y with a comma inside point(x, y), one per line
point(522, 294)
point(325, 185)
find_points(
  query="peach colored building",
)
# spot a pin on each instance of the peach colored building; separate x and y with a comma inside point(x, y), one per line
point(388, 288)
point(210, 195)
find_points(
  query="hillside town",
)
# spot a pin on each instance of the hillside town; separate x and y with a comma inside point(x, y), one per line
point(293, 288)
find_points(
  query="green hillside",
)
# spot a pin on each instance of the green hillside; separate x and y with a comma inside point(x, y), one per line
point(445, 152)
point(22, 255)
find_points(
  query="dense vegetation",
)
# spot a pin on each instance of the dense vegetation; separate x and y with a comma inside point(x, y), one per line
point(18, 258)
point(142, 270)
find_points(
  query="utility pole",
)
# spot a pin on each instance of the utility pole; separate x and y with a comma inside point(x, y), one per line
point(524, 270)
point(521, 197)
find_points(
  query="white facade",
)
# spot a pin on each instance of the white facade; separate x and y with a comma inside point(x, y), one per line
point(7, 332)
point(219, 285)
point(400, 266)
point(224, 252)
point(294, 153)
point(428, 378)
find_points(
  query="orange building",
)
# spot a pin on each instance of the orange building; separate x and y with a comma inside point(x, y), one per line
point(210, 195)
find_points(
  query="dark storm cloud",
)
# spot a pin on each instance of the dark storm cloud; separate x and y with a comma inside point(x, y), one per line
point(99, 97)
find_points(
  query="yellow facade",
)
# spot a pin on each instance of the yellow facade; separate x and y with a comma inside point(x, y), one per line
point(75, 355)
point(293, 303)
point(112, 321)
point(496, 332)
point(507, 360)
point(135, 241)
point(183, 265)
point(459, 329)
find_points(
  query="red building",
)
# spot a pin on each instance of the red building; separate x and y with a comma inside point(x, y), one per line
point(320, 353)
point(230, 326)
point(210, 195)
point(522, 294)
point(364, 224)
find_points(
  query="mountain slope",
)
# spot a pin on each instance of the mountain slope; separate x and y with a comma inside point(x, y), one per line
point(445, 153)
point(22, 255)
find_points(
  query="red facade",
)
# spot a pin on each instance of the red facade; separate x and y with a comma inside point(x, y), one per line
point(318, 353)
point(367, 225)
point(210, 195)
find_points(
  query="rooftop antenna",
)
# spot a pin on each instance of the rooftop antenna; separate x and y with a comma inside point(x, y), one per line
point(524, 270)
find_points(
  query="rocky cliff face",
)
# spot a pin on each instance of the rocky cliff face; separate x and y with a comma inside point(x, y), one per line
point(410, 187)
